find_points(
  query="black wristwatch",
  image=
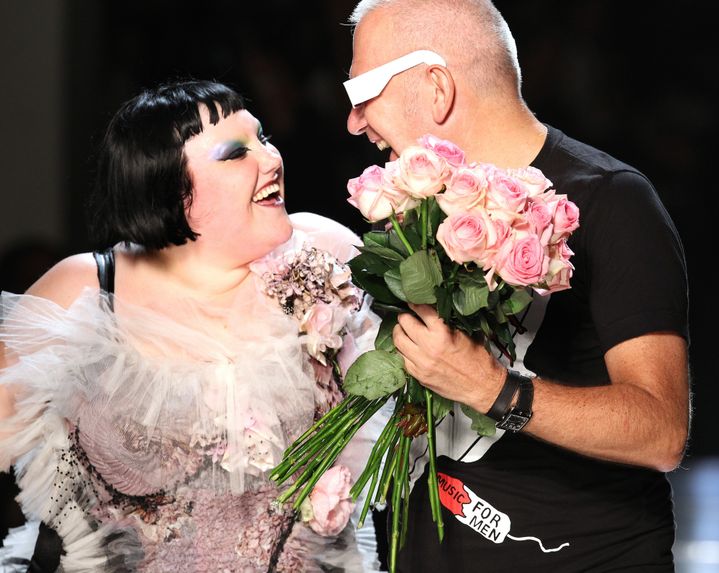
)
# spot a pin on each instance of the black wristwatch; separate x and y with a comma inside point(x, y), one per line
point(519, 414)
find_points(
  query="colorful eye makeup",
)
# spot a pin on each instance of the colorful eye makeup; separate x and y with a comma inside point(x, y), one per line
point(236, 149)
point(229, 150)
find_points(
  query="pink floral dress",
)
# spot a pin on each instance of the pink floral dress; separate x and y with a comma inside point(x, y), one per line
point(146, 441)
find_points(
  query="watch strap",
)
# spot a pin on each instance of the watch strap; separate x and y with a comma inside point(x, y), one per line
point(504, 399)
point(519, 415)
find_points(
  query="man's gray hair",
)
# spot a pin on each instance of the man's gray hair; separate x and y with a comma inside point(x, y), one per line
point(471, 34)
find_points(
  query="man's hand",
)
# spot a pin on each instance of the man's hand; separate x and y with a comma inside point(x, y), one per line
point(640, 417)
point(447, 361)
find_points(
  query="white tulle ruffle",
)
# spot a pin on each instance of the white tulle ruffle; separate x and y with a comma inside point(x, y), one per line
point(187, 407)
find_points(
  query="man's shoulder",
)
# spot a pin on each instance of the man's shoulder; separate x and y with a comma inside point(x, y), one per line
point(563, 153)
point(585, 173)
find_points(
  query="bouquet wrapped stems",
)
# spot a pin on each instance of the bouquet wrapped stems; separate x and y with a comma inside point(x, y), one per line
point(388, 464)
point(433, 483)
point(317, 449)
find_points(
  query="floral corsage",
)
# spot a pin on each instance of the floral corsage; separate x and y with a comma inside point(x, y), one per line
point(315, 288)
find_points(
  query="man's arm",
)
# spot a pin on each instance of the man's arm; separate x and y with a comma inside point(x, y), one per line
point(641, 418)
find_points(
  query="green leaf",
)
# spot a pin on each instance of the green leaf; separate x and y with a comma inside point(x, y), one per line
point(383, 252)
point(484, 325)
point(436, 216)
point(472, 276)
point(393, 279)
point(441, 406)
point(371, 263)
point(517, 302)
point(380, 238)
point(503, 333)
point(493, 298)
point(483, 425)
point(381, 308)
point(412, 237)
point(375, 286)
point(444, 303)
point(469, 298)
point(421, 273)
point(384, 335)
point(375, 374)
point(415, 391)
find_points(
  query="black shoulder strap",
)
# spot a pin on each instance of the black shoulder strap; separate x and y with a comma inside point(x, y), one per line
point(105, 261)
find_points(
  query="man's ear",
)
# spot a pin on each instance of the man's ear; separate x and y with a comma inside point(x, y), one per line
point(443, 93)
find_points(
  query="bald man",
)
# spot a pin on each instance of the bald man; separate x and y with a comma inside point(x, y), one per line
point(596, 407)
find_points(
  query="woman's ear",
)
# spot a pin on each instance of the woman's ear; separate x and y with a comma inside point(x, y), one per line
point(443, 93)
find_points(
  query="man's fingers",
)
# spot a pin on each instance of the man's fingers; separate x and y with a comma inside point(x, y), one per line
point(401, 339)
point(426, 313)
point(411, 325)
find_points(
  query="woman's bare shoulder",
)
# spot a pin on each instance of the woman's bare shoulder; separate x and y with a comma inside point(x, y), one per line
point(64, 282)
point(312, 223)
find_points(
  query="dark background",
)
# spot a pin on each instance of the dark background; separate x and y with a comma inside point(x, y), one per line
point(636, 79)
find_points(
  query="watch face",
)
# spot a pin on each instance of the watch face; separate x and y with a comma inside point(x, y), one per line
point(514, 421)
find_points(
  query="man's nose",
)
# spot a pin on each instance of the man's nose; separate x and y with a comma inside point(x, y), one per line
point(356, 122)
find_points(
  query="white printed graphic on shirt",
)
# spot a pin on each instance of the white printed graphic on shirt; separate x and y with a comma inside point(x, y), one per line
point(479, 514)
point(454, 434)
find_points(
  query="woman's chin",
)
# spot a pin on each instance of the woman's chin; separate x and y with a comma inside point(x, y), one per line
point(281, 232)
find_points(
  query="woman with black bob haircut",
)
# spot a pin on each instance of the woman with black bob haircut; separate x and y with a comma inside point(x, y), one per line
point(143, 187)
point(148, 388)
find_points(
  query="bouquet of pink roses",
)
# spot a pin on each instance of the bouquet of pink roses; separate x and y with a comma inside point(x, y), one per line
point(471, 239)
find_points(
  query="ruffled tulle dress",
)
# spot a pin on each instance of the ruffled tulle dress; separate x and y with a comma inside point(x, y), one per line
point(145, 441)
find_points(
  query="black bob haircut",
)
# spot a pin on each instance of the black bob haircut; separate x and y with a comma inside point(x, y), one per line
point(142, 187)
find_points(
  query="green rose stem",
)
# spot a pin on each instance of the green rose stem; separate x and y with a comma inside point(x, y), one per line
point(340, 410)
point(387, 441)
point(345, 435)
point(405, 498)
point(433, 485)
point(388, 472)
point(432, 477)
point(400, 233)
point(400, 475)
point(424, 216)
point(325, 444)
point(310, 442)
point(384, 441)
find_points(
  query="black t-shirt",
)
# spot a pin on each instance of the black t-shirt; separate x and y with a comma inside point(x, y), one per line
point(528, 504)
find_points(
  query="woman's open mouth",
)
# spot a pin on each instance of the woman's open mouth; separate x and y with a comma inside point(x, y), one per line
point(268, 196)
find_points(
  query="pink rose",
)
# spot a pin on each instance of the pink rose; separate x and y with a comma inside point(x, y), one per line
point(330, 501)
point(445, 149)
point(539, 218)
point(506, 195)
point(465, 237)
point(522, 261)
point(465, 192)
point(560, 269)
point(532, 179)
point(374, 195)
point(422, 173)
point(566, 218)
point(322, 324)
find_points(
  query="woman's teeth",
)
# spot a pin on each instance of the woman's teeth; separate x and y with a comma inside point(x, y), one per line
point(266, 192)
point(382, 144)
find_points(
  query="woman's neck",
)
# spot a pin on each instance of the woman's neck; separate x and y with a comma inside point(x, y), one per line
point(190, 271)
